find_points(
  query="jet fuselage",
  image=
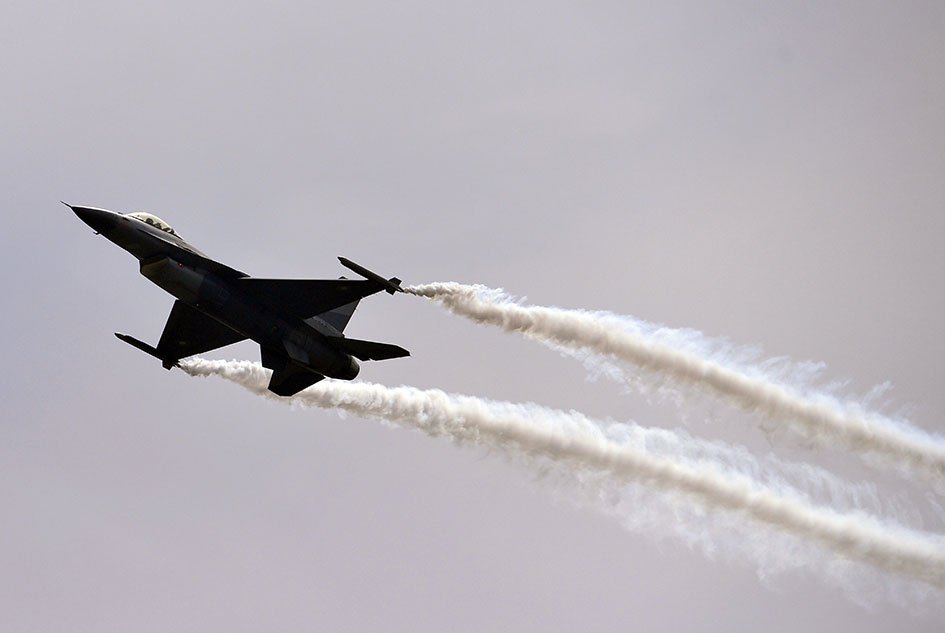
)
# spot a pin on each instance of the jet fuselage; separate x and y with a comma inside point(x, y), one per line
point(216, 291)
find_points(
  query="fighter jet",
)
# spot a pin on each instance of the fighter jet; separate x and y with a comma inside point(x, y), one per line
point(298, 323)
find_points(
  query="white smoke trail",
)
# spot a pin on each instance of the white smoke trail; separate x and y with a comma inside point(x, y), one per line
point(580, 445)
point(673, 355)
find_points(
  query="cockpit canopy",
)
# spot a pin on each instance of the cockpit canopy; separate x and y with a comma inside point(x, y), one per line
point(154, 221)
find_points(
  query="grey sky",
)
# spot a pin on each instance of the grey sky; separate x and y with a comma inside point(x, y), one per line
point(768, 173)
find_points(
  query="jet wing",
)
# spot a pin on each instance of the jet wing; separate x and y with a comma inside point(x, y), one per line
point(306, 298)
point(189, 331)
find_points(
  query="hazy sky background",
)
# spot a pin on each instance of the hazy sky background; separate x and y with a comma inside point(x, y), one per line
point(773, 174)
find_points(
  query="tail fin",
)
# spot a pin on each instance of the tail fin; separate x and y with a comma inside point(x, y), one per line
point(288, 378)
point(338, 318)
point(291, 380)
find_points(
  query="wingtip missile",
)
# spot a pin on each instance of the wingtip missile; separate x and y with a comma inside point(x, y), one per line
point(391, 285)
point(147, 349)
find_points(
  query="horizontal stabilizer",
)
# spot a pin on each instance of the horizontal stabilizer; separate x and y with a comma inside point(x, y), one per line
point(370, 350)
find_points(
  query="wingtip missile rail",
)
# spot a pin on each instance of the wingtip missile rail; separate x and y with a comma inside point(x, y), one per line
point(390, 286)
point(147, 349)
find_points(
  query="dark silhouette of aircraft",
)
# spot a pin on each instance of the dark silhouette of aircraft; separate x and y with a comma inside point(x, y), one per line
point(298, 323)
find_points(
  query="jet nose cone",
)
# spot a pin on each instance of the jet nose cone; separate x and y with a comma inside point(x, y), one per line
point(100, 220)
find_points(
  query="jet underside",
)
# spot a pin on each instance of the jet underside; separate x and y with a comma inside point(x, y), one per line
point(298, 323)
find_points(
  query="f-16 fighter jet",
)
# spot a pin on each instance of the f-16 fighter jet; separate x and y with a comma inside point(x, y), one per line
point(298, 323)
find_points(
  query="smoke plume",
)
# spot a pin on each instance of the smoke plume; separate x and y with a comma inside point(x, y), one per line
point(685, 362)
point(591, 449)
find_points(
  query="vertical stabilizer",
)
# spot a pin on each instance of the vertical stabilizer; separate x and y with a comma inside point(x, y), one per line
point(339, 317)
